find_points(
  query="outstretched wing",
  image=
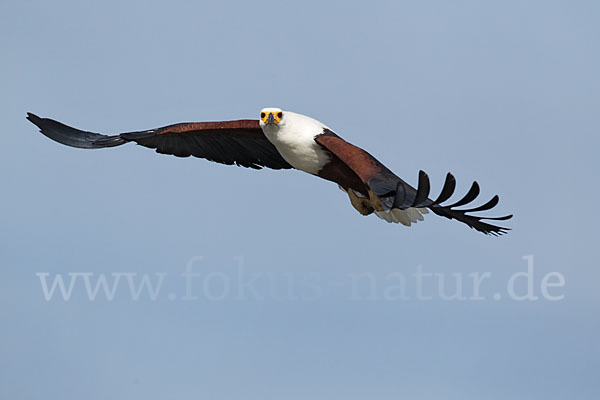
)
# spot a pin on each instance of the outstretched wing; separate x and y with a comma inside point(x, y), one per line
point(239, 142)
point(396, 193)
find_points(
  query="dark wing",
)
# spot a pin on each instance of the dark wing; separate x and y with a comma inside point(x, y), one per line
point(239, 142)
point(399, 194)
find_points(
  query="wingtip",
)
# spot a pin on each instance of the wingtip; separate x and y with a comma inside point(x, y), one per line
point(33, 118)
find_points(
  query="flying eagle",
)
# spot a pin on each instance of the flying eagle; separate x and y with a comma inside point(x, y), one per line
point(283, 140)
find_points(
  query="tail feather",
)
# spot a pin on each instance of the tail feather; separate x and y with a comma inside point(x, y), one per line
point(405, 217)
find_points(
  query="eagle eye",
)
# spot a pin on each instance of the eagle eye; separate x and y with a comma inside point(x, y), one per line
point(262, 115)
point(280, 115)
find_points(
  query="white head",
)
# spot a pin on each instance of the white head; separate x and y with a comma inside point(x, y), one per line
point(293, 135)
point(272, 118)
point(275, 120)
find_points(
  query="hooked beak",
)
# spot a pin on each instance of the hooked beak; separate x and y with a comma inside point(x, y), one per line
point(270, 119)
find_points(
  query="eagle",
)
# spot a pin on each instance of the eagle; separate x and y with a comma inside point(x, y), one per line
point(286, 140)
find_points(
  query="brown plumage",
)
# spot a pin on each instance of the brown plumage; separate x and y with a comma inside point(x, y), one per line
point(380, 186)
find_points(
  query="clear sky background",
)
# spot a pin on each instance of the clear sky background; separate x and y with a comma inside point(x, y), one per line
point(504, 93)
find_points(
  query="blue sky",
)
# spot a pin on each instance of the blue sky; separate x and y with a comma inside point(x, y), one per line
point(503, 93)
